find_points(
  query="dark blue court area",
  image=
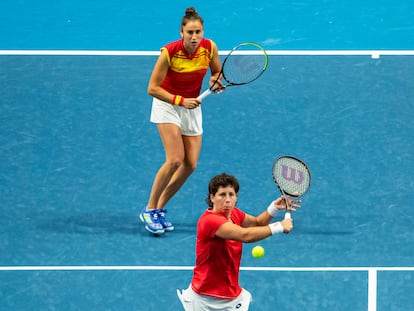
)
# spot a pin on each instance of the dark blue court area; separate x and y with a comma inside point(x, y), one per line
point(78, 155)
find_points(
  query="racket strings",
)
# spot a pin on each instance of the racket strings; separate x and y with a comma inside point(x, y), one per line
point(241, 69)
point(292, 176)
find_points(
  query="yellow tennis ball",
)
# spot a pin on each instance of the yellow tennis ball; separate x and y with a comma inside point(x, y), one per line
point(258, 252)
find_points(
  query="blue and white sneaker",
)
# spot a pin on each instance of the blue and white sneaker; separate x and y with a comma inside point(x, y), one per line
point(168, 226)
point(152, 221)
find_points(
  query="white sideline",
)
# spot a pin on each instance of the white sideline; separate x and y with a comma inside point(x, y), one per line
point(372, 272)
point(183, 268)
point(372, 53)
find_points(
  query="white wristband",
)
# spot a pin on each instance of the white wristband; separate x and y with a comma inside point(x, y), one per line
point(272, 210)
point(276, 227)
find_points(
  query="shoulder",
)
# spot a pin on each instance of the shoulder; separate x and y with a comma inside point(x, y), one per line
point(209, 222)
point(173, 46)
point(238, 211)
point(208, 44)
point(208, 215)
point(208, 48)
point(238, 215)
point(174, 43)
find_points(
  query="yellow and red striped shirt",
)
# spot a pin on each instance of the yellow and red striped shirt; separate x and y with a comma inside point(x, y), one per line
point(186, 73)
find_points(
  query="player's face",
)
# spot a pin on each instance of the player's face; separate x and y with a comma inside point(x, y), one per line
point(224, 200)
point(192, 34)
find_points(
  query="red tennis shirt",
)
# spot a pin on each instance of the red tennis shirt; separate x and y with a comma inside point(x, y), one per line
point(186, 73)
point(216, 272)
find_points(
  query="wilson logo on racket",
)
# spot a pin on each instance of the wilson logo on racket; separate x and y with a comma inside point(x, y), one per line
point(292, 174)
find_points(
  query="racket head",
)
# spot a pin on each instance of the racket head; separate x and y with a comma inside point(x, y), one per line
point(244, 64)
point(291, 175)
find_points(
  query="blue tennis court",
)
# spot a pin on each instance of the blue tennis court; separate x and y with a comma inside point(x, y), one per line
point(78, 155)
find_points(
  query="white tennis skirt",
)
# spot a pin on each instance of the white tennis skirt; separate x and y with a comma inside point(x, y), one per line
point(190, 121)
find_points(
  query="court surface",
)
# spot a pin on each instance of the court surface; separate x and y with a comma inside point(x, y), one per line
point(78, 155)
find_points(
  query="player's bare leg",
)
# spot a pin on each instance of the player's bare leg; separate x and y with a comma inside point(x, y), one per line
point(174, 158)
point(182, 153)
point(192, 147)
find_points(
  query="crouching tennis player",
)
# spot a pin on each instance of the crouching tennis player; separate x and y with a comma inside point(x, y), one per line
point(221, 231)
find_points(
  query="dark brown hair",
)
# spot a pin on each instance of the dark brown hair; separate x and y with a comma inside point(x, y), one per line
point(191, 15)
point(222, 180)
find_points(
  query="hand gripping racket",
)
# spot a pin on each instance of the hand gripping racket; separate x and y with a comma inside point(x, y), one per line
point(292, 176)
point(244, 64)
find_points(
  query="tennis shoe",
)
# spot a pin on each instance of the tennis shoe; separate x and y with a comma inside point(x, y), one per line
point(168, 226)
point(151, 220)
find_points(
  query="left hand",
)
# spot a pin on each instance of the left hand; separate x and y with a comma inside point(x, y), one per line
point(218, 86)
point(281, 204)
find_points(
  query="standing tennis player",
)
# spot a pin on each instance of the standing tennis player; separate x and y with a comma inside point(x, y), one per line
point(175, 83)
point(221, 231)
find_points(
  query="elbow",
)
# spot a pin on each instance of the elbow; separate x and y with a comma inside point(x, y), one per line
point(249, 238)
point(151, 91)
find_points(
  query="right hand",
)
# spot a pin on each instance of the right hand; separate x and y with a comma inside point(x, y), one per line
point(287, 225)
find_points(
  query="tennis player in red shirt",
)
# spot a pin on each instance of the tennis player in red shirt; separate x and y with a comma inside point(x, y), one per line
point(221, 231)
point(175, 84)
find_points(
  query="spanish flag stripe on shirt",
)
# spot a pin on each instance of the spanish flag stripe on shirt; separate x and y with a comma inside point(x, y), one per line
point(186, 73)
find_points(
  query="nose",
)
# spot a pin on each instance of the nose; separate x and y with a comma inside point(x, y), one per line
point(228, 198)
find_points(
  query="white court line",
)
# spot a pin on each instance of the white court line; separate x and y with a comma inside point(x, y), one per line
point(372, 53)
point(372, 290)
point(183, 268)
point(79, 52)
point(372, 272)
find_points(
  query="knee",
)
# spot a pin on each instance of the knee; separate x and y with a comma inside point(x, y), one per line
point(191, 167)
point(175, 164)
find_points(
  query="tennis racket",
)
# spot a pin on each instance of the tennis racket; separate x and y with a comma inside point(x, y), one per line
point(244, 64)
point(292, 176)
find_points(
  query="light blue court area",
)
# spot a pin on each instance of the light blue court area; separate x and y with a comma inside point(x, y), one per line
point(78, 155)
point(144, 25)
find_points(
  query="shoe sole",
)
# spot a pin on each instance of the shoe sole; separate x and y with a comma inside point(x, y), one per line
point(161, 231)
point(157, 232)
point(169, 229)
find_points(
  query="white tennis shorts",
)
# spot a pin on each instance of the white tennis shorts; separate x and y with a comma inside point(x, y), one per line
point(192, 301)
point(190, 121)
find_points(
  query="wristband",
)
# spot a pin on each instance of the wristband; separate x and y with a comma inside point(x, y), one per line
point(272, 210)
point(276, 227)
point(178, 100)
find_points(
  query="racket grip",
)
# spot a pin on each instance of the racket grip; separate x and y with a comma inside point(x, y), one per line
point(204, 94)
point(288, 215)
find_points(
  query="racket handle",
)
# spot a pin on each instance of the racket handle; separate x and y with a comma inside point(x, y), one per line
point(204, 94)
point(288, 215)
